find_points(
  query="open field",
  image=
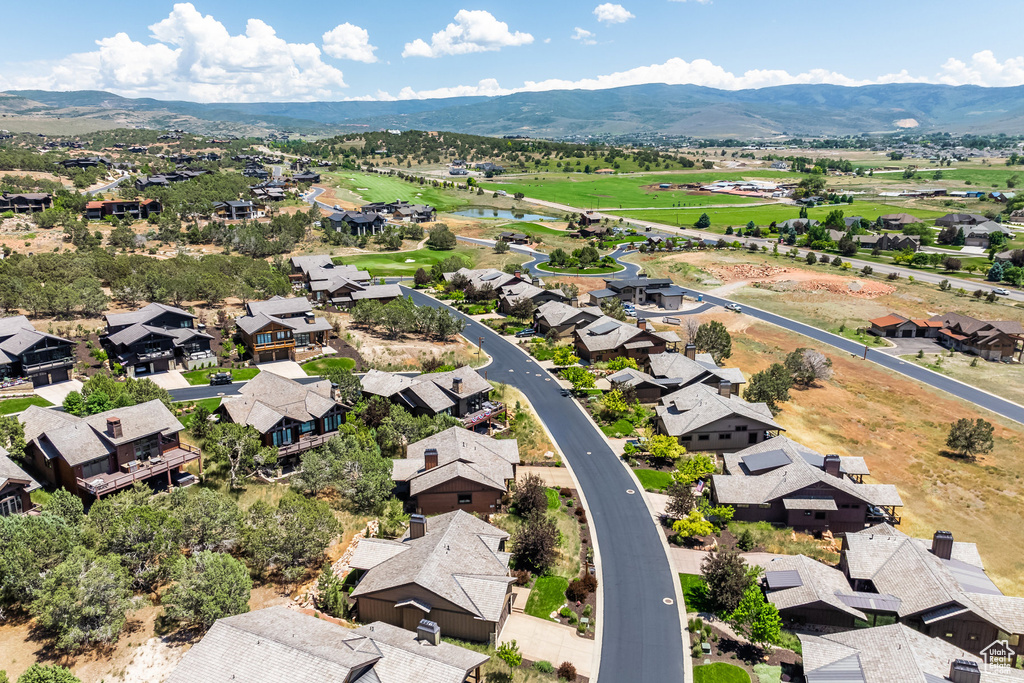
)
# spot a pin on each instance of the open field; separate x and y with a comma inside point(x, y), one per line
point(1002, 379)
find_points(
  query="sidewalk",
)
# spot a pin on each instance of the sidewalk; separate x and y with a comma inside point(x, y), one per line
point(283, 368)
point(539, 639)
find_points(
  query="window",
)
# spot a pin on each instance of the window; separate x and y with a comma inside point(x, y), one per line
point(10, 506)
point(819, 515)
point(807, 513)
point(724, 437)
point(302, 339)
point(741, 505)
point(282, 437)
point(94, 468)
point(703, 437)
point(465, 499)
point(307, 427)
point(332, 422)
point(685, 439)
point(741, 428)
point(949, 634)
point(264, 338)
point(283, 334)
point(146, 448)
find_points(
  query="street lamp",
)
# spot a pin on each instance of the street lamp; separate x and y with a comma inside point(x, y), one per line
point(479, 347)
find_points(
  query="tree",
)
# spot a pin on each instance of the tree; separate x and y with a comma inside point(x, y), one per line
point(692, 525)
point(698, 466)
point(713, 338)
point(756, 618)
point(811, 258)
point(566, 670)
point(12, 437)
point(84, 600)
point(770, 387)
point(535, 544)
point(509, 653)
point(210, 586)
point(291, 536)
point(239, 446)
point(357, 470)
point(331, 596)
point(523, 308)
point(501, 247)
point(66, 506)
point(664, 448)
point(680, 500)
point(808, 365)
point(53, 673)
point(847, 247)
point(726, 576)
point(207, 519)
point(613, 308)
point(614, 402)
point(968, 438)
point(621, 363)
point(140, 536)
point(74, 404)
point(30, 547)
point(579, 377)
point(703, 223)
point(530, 496)
point(421, 278)
point(563, 356)
point(441, 238)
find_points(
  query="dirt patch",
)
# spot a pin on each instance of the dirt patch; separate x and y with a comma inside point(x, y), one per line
point(780, 278)
point(407, 352)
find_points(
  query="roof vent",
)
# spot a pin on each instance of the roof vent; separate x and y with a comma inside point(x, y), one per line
point(964, 671)
point(428, 632)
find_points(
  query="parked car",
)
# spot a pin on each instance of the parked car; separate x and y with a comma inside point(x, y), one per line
point(528, 332)
point(734, 307)
point(566, 392)
point(220, 378)
point(1000, 291)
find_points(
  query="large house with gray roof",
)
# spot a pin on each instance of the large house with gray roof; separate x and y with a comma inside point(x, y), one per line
point(608, 338)
point(509, 295)
point(990, 339)
point(156, 338)
point(456, 469)
point(16, 487)
point(281, 644)
point(561, 320)
point(461, 392)
point(784, 483)
point(451, 569)
point(806, 591)
point(707, 419)
point(981, 234)
point(508, 287)
point(104, 453)
point(669, 372)
point(641, 290)
point(894, 653)
point(281, 329)
point(288, 415)
point(338, 284)
point(39, 357)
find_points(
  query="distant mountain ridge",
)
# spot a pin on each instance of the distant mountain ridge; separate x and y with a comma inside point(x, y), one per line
point(806, 110)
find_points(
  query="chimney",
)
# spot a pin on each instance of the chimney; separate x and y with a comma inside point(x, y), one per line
point(114, 427)
point(430, 458)
point(942, 545)
point(518, 273)
point(574, 302)
point(832, 463)
point(641, 323)
point(310, 318)
point(724, 388)
point(691, 351)
point(457, 385)
point(417, 526)
point(964, 671)
point(428, 632)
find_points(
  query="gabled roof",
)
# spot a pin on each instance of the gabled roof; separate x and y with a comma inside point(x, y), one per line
point(10, 472)
point(460, 454)
point(17, 335)
point(607, 333)
point(699, 405)
point(144, 315)
point(485, 276)
point(814, 582)
point(457, 559)
point(679, 368)
point(263, 313)
point(267, 399)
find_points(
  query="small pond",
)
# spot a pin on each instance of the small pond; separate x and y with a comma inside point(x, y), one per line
point(502, 213)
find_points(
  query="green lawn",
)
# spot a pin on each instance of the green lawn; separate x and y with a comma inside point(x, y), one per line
point(547, 595)
point(403, 262)
point(545, 267)
point(620, 427)
point(589, 191)
point(321, 365)
point(16, 405)
point(380, 188)
point(719, 672)
point(653, 480)
point(203, 376)
point(766, 673)
point(554, 502)
point(695, 593)
point(534, 229)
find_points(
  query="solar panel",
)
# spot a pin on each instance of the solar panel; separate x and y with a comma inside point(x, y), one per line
point(604, 328)
point(971, 579)
point(768, 460)
point(875, 602)
point(786, 578)
point(490, 276)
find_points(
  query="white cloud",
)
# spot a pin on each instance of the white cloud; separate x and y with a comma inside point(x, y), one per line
point(584, 36)
point(194, 57)
point(983, 69)
point(699, 2)
point(609, 13)
point(487, 87)
point(347, 41)
point(472, 31)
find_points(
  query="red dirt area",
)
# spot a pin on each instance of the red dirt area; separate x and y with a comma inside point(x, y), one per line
point(782, 279)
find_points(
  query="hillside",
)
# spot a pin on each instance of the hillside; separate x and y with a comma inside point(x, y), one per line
point(805, 110)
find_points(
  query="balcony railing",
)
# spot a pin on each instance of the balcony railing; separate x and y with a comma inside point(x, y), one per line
point(155, 355)
point(304, 443)
point(29, 368)
point(490, 411)
point(174, 457)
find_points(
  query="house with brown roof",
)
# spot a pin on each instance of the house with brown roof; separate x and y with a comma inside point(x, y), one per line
point(39, 357)
point(509, 295)
point(957, 219)
point(122, 208)
point(156, 338)
point(451, 569)
point(461, 392)
point(608, 338)
point(896, 221)
point(705, 419)
point(456, 469)
point(562, 319)
point(281, 329)
point(104, 453)
point(669, 372)
point(290, 416)
point(787, 484)
point(280, 644)
point(894, 325)
point(889, 242)
point(990, 339)
point(16, 487)
point(806, 591)
point(338, 284)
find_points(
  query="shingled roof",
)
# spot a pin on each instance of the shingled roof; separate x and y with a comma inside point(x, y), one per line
point(698, 405)
point(17, 335)
point(556, 313)
point(9, 471)
point(683, 371)
point(458, 560)
point(435, 391)
point(460, 454)
point(262, 313)
point(267, 399)
point(806, 582)
point(607, 334)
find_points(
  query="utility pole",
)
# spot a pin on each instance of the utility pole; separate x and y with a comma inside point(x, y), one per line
point(479, 347)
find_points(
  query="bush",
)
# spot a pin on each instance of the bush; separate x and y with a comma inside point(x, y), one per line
point(544, 667)
point(589, 582)
point(577, 591)
point(894, 276)
point(522, 576)
point(566, 671)
point(564, 492)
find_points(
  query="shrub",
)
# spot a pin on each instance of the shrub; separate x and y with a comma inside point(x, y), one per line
point(544, 667)
point(894, 276)
point(577, 591)
point(566, 671)
point(589, 582)
point(522, 576)
point(581, 515)
point(564, 492)
point(565, 612)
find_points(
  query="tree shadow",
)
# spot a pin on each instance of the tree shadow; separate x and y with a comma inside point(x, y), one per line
point(498, 677)
point(745, 652)
point(957, 457)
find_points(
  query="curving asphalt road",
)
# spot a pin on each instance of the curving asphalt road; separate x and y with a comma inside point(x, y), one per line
point(110, 186)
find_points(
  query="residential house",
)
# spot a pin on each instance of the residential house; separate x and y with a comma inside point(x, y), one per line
point(1011, 256)
point(800, 225)
point(894, 325)
point(451, 569)
point(897, 221)
point(852, 221)
point(280, 644)
point(16, 487)
point(156, 338)
point(25, 202)
point(1002, 197)
point(895, 652)
point(306, 177)
point(509, 295)
point(165, 179)
point(608, 338)
point(806, 591)
point(357, 222)
point(338, 284)
point(594, 230)
point(514, 237)
point(990, 339)
point(665, 373)
point(958, 219)
point(456, 469)
point(641, 290)
point(237, 210)
point(784, 483)
point(414, 213)
point(291, 416)
point(488, 167)
point(656, 241)
point(940, 585)
point(562, 319)
point(122, 208)
point(86, 162)
point(281, 329)
point(703, 419)
point(488, 277)
point(981, 234)
point(779, 165)
point(889, 242)
point(457, 171)
point(39, 357)
point(461, 392)
point(109, 451)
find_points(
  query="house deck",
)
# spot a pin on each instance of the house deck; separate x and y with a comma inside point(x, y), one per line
point(170, 459)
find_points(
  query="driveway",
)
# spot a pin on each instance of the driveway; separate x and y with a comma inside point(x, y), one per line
point(905, 347)
point(56, 393)
point(687, 561)
point(172, 379)
point(284, 368)
point(539, 639)
point(551, 476)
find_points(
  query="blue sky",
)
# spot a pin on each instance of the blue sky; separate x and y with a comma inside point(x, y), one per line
point(227, 51)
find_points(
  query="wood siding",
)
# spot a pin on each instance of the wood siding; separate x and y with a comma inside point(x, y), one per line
point(453, 620)
point(445, 498)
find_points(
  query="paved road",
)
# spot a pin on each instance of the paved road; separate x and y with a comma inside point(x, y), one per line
point(202, 391)
point(642, 636)
point(110, 186)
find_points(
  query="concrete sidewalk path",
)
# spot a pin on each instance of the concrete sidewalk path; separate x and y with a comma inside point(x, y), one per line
point(539, 639)
point(56, 393)
point(687, 561)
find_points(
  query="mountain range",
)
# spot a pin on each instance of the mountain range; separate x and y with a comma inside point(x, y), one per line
point(800, 110)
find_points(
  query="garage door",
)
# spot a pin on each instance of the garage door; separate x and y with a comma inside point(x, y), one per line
point(60, 375)
point(907, 333)
point(266, 356)
point(40, 379)
point(281, 354)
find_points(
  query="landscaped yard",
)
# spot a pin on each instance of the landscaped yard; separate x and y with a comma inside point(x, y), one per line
point(719, 672)
point(197, 377)
point(546, 267)
point(210, 404)
point(404, 262)
point(694, 593)
point(547, 595)
point(322, 365)
point(618, 429)
point(16, 405)
point(653, 480)
point(553, 500)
